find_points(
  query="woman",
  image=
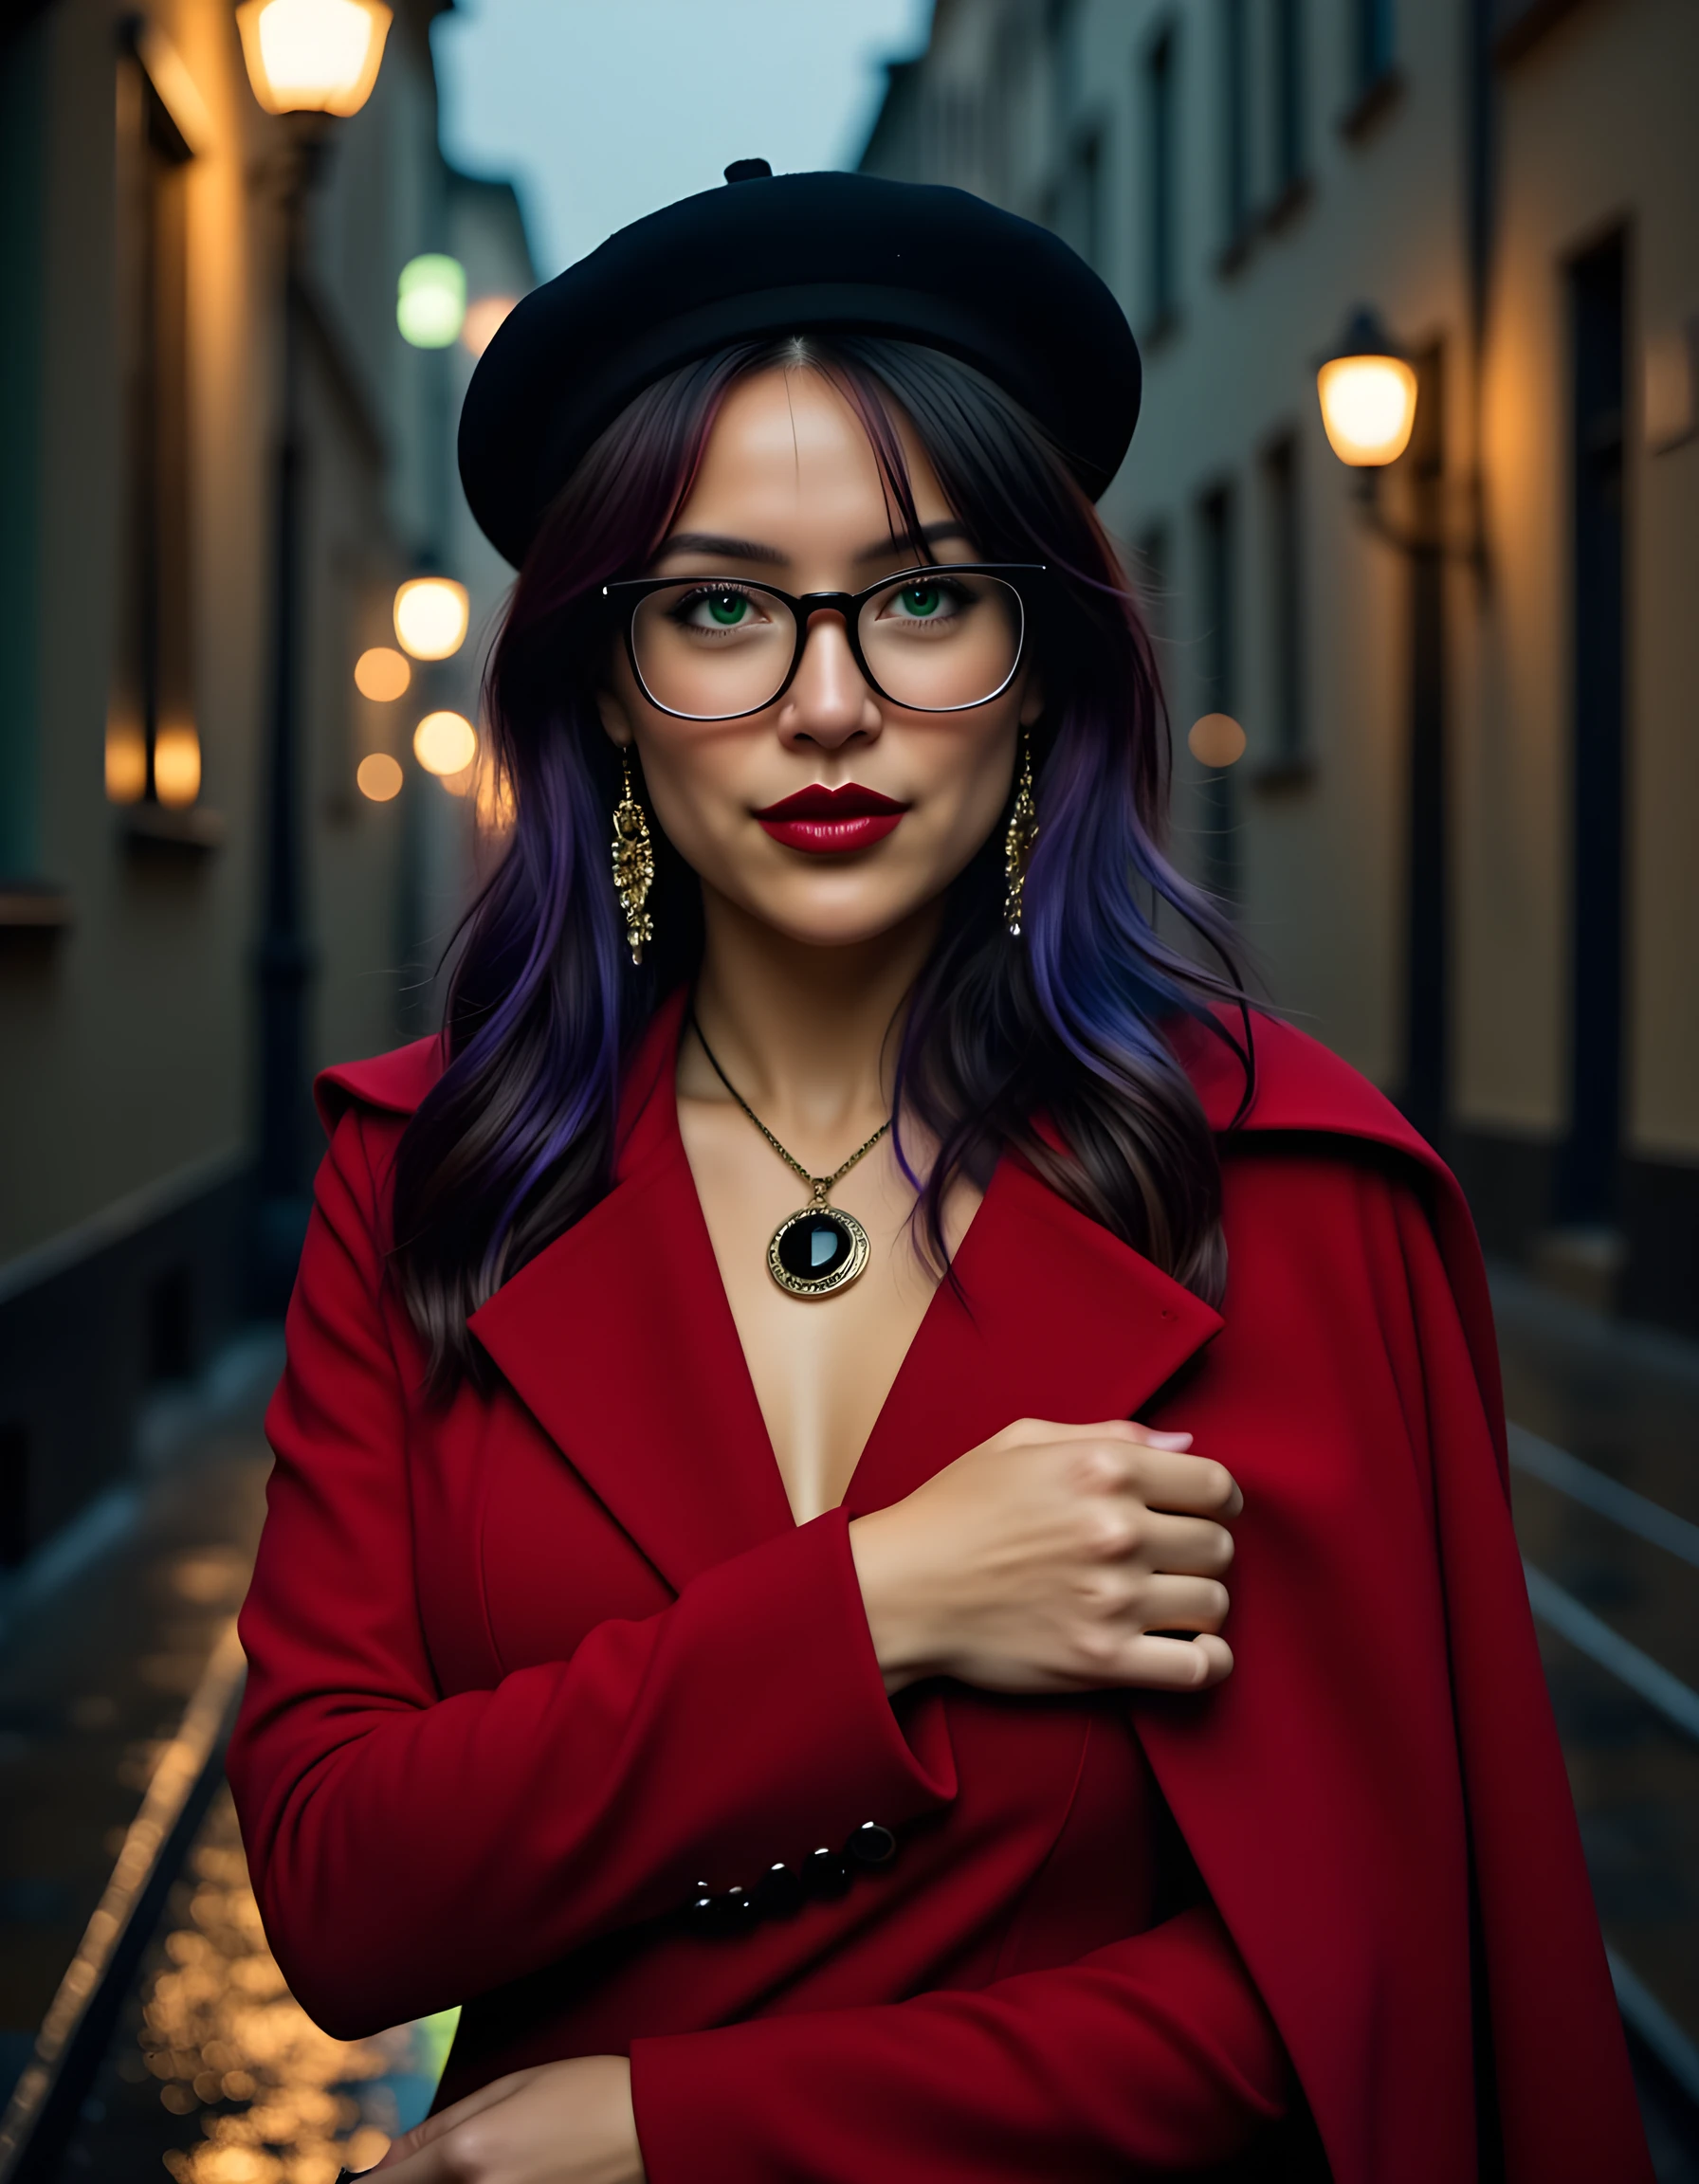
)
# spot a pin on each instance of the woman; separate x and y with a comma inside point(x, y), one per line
point(741, 1603)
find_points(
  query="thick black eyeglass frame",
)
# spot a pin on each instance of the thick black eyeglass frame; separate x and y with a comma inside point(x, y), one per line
point(804, 606)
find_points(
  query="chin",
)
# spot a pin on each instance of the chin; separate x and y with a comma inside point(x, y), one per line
point(840, 916)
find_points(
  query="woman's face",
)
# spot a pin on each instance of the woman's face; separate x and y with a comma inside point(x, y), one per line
point(789, 495)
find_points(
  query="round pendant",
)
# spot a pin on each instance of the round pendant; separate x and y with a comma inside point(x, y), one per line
point(817, 1251)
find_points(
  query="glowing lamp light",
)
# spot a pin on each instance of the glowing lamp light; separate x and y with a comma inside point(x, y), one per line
point(382, 674)
point(1217, 740)
point(126, 762)
point(496, 808)
point(176, 767)
point(1368, 395)
point(483, 320)
point(313, 56)
point(379, 777)
point(445, 743)
point(431, 613)
point(430, 300)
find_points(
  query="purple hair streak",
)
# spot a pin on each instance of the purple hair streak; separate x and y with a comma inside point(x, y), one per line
point(1064, 1027)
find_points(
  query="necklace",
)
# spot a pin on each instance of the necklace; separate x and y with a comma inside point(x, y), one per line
point(819, 1247)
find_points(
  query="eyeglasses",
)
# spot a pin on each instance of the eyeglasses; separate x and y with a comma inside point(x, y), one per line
point(938, 639)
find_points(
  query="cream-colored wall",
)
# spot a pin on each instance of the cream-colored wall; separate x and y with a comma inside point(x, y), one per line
point(1597, 134)
point(128, 1041)
point(115, 1043)
point(1594, 129)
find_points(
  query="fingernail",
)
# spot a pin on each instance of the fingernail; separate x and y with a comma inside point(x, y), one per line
point(1170, 1440)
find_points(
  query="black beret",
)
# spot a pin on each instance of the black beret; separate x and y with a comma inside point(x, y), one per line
point(767, 256)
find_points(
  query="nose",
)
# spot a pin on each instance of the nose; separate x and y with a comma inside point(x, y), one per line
point(830, 703)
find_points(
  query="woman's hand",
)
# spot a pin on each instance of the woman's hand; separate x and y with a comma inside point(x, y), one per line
point(1044, 1560)
point(562, 2123)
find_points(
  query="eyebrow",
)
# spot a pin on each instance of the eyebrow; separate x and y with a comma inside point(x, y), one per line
point(714, 547)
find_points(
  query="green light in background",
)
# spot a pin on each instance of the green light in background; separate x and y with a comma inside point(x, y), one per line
point(430, 300)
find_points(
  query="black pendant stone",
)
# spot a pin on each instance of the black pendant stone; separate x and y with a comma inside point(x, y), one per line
point(813, 1248)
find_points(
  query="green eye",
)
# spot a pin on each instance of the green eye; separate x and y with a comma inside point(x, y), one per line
point(727, 607)
point(921, 599)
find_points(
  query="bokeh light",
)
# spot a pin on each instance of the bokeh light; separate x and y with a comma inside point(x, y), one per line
point(126, 762)
point(431, 613)
point(430, 300)
point(481, 320)
point(496, 808)
point(379, 777)
point(382, 673)
point(176, 767)
point(1217, 740)
point(445, 743)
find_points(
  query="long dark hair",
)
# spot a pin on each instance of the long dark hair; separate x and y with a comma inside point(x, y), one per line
point(1051, 1045)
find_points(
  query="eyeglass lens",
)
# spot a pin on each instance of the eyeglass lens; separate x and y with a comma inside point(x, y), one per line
point(712, 650)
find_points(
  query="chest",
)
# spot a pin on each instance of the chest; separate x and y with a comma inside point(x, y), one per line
point(821, 1367)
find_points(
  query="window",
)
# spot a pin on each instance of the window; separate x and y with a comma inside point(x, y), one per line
point(24, 87)
point(1218, 670)
point(1153, 553)
point(1235, 131)
point(153, 745)
point(1161, 206)
point(1283, 533)
point(1079, 202)
point(1371, 42)
point(1286, 78)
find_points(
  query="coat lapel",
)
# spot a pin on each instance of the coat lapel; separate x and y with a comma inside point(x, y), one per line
point(1052, 1318)
point(619, 1340)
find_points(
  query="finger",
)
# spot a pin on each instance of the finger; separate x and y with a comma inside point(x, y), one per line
point(1191, 1486)
point(1184, 1546)
point(1152, 1664)
point(433, 2128)
point(1127, 1429)
point(1182, 1604)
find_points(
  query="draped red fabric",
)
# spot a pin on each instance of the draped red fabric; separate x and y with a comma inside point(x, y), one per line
point(528, 1668)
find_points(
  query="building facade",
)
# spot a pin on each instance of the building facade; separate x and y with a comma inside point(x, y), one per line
point(1458, 836)
point(141, 236)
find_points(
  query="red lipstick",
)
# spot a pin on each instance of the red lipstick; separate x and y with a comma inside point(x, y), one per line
point(823, 821)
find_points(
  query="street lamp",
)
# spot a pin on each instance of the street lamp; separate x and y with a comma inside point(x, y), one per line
point(1368, 393)
point(307, 60)
point(313, 56)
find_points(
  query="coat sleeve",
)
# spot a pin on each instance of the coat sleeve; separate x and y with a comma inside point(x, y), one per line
point(410, 1850)
point(1150, 2057)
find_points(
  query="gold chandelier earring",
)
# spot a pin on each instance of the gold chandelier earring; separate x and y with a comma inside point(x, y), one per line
point(1018, 842)
point(633, 866)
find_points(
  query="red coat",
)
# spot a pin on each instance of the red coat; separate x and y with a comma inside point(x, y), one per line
point(527, 1670)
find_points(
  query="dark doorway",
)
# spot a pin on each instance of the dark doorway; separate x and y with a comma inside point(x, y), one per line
point(1427, 941)
point(1587, 1176)
point(15, 1494)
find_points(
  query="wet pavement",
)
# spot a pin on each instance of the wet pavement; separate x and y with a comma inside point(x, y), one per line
point(1624, 1401)
point(214, 2074)
point(101, 1644)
